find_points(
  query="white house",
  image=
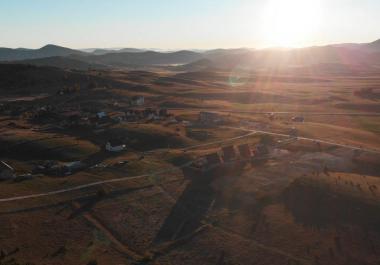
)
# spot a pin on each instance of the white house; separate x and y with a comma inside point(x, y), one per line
point(115, 146)
point(6, 171)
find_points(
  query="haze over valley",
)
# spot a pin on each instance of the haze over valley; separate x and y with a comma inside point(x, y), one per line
point(204, 154)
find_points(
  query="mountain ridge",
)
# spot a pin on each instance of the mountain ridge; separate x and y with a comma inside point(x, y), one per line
point(355, 54)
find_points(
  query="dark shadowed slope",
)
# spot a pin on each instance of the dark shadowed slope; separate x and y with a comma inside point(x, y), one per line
point(62, 62)
point(143, 58)
point(22, 79)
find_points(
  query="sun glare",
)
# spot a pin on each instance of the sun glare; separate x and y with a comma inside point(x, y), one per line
point(290, 23)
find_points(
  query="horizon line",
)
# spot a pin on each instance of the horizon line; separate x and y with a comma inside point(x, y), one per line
point(184, 49)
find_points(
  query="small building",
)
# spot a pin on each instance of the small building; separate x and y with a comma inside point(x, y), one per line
point(187, 123)
point(130, 113)
point(6, 171)
point(228, 153)
point(163, 113)
point(148, 111)
point(115, 146)
point(298, 119)
point(152, 116)
point(133, 115)
point(209, 117)
point(293, 132)
point(101, 115)
point(74, 165)
point(117, 116)
point(245, 151)
point(137, 100)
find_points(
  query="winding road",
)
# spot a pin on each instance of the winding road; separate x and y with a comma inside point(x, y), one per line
point(377, 151)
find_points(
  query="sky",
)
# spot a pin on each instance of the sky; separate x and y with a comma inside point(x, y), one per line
point(185, 24)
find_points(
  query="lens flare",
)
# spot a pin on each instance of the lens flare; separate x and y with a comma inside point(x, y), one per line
point(290, 23)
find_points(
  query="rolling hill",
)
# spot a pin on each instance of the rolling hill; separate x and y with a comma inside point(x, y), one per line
point(142, 58)
point(62, 62)
point(8, 54)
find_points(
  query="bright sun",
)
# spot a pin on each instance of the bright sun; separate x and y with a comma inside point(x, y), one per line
point(290, 23)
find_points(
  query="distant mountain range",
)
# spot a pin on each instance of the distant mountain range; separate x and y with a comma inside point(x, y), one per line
point(105, 51)
point(335, 56)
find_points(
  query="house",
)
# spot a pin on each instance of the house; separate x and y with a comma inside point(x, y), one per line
point(153, 116)
point(6, 171)
point(172, 120)
point(134, 114)
point(118, 116)
point(115, 146)
point(70, 118)
point(209, 117)
point(101, 115)
point(137, 100)
point(23, 177)
point(71, 167)
point(148, 111)
point(293, 132)
point(298, 119)
point(163, 113)
point(130, 113)
point(187, 123)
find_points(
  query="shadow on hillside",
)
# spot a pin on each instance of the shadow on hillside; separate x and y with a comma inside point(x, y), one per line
point(187, 213)
point(315, 206)
point(87, 201)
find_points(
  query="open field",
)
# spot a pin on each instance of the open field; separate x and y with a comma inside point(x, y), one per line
point(312, 197)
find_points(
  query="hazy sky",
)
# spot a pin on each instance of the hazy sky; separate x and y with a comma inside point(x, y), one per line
point(179, 24)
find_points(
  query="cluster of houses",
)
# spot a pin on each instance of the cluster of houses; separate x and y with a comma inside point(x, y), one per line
point(209, 118)
point(76, 117)
point(233, 153)
point(58, 169)
point(7, 172)
point(12, 109)
point(115, 145)
point(146, 114)
point(225, 161)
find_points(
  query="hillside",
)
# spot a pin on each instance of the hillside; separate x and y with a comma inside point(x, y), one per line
point(364, 56)
point(21, 79)
point(62, 62)
point(7, 54)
